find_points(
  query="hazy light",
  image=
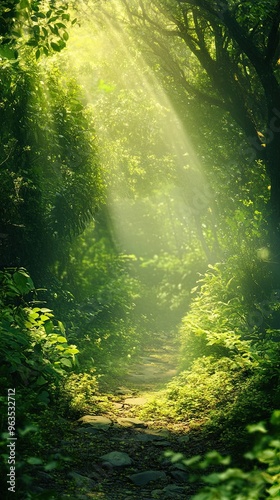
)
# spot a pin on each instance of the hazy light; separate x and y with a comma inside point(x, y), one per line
point(98, 48)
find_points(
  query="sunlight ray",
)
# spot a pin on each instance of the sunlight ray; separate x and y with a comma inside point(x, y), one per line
point(107, 62)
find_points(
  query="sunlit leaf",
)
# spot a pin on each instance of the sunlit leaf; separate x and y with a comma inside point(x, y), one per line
point(24, 4)
point(61, 339)
point(55, 47)
point(51, 466)
point(66, 362)
point(7, 53)
point(259, 427)
point(34, 461)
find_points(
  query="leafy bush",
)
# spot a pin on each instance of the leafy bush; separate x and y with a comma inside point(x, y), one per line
point(34, 357)
point(34, 351)
point(258, 481)
point(47, 204)
point(101, 320)
point(221, 316)
point(79, 393)
point(197, 394)
point(223, 394)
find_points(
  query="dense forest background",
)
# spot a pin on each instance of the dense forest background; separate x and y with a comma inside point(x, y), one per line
point(140, 204)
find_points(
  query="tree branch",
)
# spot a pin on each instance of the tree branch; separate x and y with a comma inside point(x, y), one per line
point(273, 37)
point(224, 14)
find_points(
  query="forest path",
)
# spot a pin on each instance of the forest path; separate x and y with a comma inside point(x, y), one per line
point(156, 366)
point(115, 455)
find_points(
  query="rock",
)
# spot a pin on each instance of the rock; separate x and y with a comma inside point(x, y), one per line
point(157, 434)
point(135, 401)
point(173, 488)
point(161, 433)
point(117, 406)
point(117, 459)
point(89, 430)
point(145, 438)
point(82, 481)
point(98, 422)
point(143, 478)
point(147, 435)
point(131, 422)
point(181, 476)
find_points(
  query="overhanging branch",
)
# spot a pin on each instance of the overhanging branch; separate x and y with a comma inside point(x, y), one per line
point(273, 37)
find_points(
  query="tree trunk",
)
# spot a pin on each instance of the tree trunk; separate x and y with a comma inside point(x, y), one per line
point(273, 169)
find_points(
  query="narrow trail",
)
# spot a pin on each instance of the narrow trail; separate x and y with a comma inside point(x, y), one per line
point(156, 367)
point(117, 456)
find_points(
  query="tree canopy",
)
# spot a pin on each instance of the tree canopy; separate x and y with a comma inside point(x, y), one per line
point(224, 54)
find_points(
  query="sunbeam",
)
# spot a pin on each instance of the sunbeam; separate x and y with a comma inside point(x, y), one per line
point(144, 145)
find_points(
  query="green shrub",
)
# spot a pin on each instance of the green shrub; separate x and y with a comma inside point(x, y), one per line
point(34, 351)
point(201, 392)
point(259, 480)
point(79, 393)
point(34, 357)
point(221, 316)
point(223, 394)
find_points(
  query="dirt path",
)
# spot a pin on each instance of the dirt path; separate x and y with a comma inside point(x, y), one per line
point(156, 367)
point(117, 456)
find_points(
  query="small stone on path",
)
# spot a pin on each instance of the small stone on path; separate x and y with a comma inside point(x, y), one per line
point(118, 406)
point(131, 422)
point(143, 478)
point(98, 422)
point(181, 476)
point(89, 430)
point(170, 491)
point(161, 433)
point(117, 459)
point(82, 481)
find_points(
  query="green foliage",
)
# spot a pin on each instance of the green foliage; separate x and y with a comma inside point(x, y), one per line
point(80, 394)
point(49, 175)
point(32, 459)
point(232, 363)
point(260, 481)
point(42, 26)
point(221, 316)
point(233, 323)
point(34, 350)
point(223, 394)
point(102, 320)
point(201, 393)
point(34, 356)
point(166, 281)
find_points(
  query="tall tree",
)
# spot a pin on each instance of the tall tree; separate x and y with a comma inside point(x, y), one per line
point(226, 54)
point(50, 182)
